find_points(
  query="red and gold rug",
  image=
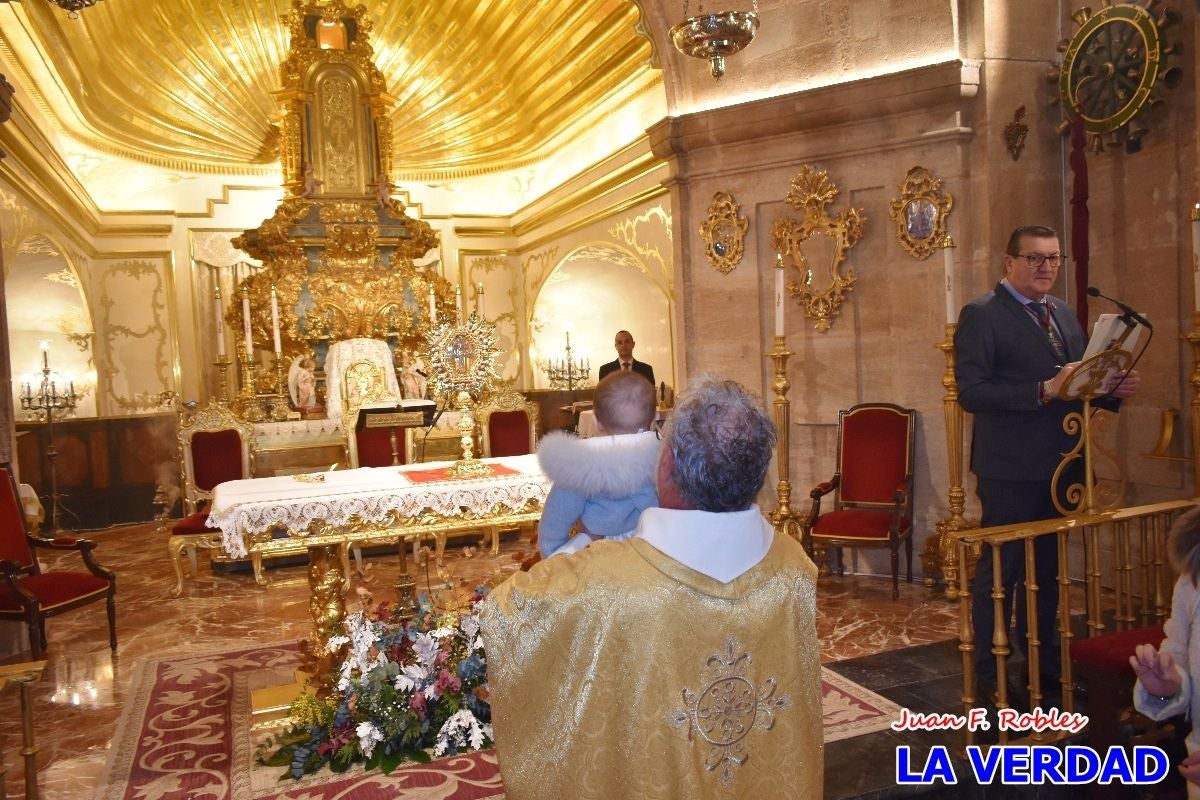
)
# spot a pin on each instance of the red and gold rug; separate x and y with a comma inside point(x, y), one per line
point(186, 733)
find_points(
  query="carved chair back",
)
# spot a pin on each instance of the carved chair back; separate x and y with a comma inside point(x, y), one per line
point(214, 446)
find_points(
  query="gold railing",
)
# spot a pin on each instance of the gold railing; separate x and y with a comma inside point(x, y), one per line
point(1136, 589)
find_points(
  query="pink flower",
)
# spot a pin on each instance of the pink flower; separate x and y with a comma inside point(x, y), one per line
point(448, 683)
point(417, 703)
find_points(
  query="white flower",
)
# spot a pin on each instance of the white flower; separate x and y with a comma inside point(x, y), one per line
point(470, 626)
point(442, 632)
point(411, 676)
point(461, 730)
point(361, 635)
point(368, 737)
point(426, 648)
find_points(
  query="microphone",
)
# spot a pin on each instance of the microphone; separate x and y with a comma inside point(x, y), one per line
point(1127, 311)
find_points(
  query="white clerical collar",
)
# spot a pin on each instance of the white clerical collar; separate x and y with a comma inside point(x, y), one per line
point(722, 546)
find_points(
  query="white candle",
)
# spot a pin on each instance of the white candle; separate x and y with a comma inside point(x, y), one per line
point(432, 306)
point(479, 301)
point(220, 323)
point(779, 294)
point(246, 322)
point(1196, 256)
point(275, 321)
point(458, 300)
point(951, 304)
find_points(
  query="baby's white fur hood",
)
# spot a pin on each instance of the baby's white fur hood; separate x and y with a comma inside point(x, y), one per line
point(602, 465)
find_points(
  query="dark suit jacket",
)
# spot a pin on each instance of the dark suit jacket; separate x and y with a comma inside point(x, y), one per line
point(1001, 354)
point(640, 367)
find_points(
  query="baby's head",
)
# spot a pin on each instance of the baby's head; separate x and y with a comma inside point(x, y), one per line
point(1183, 545)
point(307, 363)
point(624, 403)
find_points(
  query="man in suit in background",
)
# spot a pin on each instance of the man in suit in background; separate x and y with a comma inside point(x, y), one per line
point(625, 360)
point(1014, 348)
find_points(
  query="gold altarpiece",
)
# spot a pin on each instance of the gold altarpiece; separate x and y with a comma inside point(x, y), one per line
point(339, 251)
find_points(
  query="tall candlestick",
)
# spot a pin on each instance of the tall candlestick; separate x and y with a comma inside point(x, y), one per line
point(779, 294)
point(246, 321)
point(1196, 256)
point(458, 300)
point(479, 301)
point(275, 321)
point(220, 322)
point(951, 303)
point(432, 306)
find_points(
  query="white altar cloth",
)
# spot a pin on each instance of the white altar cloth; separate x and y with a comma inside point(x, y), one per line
point(373, 494)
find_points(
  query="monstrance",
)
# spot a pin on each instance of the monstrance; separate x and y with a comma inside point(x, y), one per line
point(462, 367)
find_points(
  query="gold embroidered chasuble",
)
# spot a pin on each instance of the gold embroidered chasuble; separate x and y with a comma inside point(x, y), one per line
point(619, 672)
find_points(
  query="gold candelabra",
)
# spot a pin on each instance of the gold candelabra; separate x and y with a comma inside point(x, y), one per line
point(48, 400)
point(783, 518)
point(567, 373)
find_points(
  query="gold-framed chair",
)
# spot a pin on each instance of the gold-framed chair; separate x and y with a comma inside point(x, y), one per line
point(364, 385)
point(873, 485)
point(214, 446)
point(32, 595)
point(508, 426)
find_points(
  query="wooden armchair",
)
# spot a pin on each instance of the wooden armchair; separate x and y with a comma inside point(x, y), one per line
point(214, 446)
point(29, 594)
point(872, 504)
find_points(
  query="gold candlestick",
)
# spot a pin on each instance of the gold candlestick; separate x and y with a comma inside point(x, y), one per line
point(939, 555)
point(222, 365)
point(1194, 339)
point(783, 518)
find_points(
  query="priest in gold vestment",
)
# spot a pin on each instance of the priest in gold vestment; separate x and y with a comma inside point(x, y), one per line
point(682, 662)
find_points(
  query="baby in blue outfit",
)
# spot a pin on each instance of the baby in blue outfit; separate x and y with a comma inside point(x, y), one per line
point(601, 484)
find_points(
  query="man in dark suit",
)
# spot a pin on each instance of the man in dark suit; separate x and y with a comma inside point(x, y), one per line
point(625, 360)
point(1013, 350)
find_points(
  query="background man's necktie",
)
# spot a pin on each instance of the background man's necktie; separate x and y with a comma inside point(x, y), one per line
point(1042, 312)
point(625, 367)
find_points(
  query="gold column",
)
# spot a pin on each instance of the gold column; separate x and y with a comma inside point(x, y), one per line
point(940, 554)
point(783, 518)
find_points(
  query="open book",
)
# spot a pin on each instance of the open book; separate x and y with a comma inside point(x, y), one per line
point(1105, 334)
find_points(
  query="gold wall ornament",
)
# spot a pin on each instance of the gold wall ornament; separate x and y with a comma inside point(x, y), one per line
point(724, 233)
point(829, 239)
point(920, 213)
point(1015, 133)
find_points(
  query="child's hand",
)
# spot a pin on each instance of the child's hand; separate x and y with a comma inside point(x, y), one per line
point(1157, 673)
point(1189, 768)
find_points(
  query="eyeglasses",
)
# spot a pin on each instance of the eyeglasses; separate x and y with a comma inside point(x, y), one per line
point(1035, 260)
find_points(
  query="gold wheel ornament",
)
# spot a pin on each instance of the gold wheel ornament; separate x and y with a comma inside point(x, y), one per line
point(724, 233)
point(462, 367)
point(1112, 71)
point(817, 245)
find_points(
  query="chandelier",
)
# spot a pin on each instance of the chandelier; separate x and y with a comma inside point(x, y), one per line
point(72, 7)
point(715, 36)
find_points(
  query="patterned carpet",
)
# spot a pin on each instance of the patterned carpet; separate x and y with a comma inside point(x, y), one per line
point(185, 733)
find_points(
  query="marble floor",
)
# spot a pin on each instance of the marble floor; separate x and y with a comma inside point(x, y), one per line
point(78, 701)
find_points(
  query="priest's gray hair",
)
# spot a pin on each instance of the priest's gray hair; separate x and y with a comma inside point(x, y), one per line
point(722, 441)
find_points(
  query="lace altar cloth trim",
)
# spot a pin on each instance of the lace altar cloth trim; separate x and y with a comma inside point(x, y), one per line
point(372, 494)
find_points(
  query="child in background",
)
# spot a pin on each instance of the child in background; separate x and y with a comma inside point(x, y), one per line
point(601, 484)
point(1167, 677)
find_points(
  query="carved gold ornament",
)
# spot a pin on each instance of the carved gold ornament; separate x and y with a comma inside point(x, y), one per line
point(724, 713)
point(724, 233)
point(817, 245)
point(920, 213)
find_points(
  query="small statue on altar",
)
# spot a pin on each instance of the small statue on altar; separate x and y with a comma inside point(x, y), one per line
point(412, 377)
point(311, 184)
point(302, 383)
point(383, 190)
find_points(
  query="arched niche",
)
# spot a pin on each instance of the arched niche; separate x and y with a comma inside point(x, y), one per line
point(46, 303)
point(595, 291)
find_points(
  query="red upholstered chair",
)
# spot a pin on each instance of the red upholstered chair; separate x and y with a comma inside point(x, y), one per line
point(215, 446)
point(872, 504)
point(508, 425)
point(365, 386)
point(27, 593)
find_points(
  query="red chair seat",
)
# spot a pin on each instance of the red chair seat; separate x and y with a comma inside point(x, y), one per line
point(856, 524)
point(193, 524)
point(1108, 654)
point(53, 589)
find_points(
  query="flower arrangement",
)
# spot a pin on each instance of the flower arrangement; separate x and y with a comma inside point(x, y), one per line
point(405, 686)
